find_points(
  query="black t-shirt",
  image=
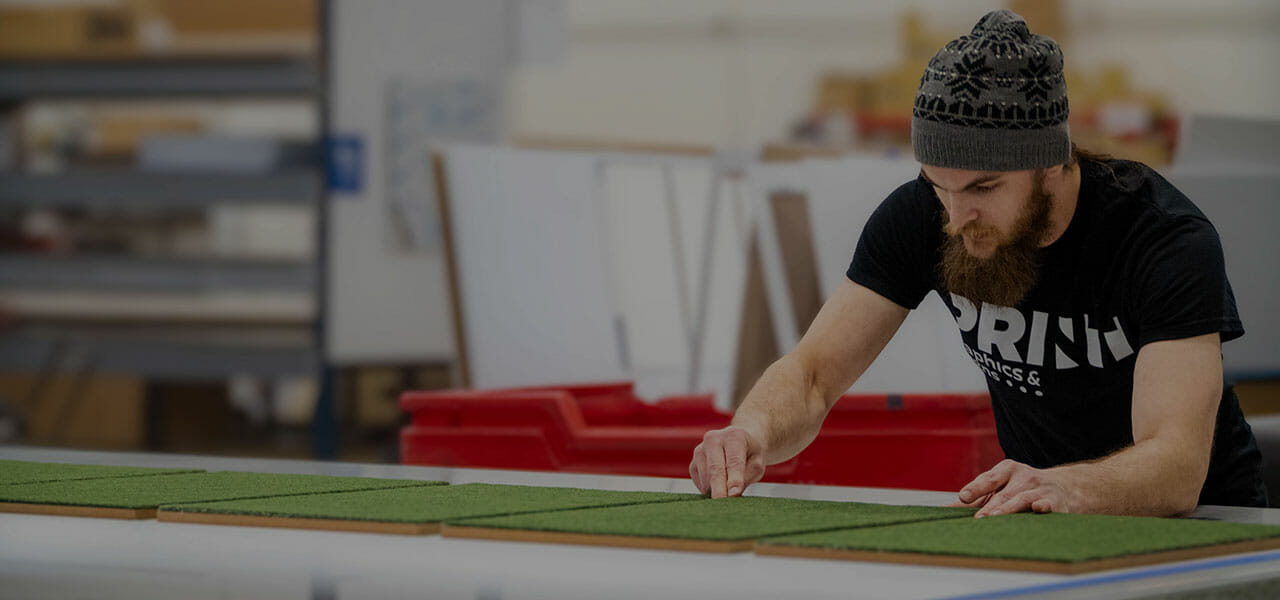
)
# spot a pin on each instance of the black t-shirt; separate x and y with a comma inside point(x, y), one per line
point(1139, 263)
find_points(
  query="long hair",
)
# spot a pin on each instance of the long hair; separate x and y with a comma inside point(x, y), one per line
point(1078, 154)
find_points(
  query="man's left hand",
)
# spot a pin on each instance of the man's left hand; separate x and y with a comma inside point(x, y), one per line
point(1012, 487)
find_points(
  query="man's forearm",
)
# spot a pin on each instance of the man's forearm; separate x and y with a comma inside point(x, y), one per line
point(1177, 388)
point(784, 410)
point(1153, 478)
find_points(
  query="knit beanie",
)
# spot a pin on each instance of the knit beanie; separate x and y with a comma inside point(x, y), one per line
point(993, 100)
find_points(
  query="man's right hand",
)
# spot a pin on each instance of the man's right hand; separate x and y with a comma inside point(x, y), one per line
point(726, 462)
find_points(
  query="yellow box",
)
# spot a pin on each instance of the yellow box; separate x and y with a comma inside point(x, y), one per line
point(238, 16)
point(103, 412)
point(67, 32)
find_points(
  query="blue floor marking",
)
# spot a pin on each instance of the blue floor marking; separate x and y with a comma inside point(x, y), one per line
point(1143, 574)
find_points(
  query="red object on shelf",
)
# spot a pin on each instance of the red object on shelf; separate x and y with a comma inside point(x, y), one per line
point(917, 441)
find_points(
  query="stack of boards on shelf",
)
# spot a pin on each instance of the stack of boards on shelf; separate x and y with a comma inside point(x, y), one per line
point(918, 535)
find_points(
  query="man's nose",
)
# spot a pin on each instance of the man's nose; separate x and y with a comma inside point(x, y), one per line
point(960, 210)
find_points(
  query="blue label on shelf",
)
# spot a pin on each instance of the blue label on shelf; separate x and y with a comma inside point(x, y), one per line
point(345, 163)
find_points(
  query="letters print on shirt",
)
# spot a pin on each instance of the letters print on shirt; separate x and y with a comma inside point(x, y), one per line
point(1015, 348)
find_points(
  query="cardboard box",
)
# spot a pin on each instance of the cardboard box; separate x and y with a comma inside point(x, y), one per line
point(119, 136)
point(67, 32)
point(229, 27)
point(377, 391)
point(238, 16)
point(1044, 17)
point(193, 417)
point(101, 412)
point(839, 92)
point(1260, 397)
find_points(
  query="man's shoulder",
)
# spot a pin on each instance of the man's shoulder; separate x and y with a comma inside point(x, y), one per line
point(1141, 193)
point(1139, 215)
point(913, 196)
point(914, 189)
point(910, 207)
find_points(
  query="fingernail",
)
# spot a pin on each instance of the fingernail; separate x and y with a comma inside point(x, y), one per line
point(965, 497)
point(733, 491)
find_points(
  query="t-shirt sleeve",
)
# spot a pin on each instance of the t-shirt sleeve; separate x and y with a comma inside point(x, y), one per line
point(1182, 291)
point(896, 253)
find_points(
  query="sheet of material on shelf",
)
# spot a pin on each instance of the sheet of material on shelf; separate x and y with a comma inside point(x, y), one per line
point(723, 525)
point(412, 510)
point(143, 495)
point(259, 308)
point(1051, 543)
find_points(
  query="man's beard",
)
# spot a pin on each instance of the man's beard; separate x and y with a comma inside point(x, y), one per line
point(1011, 271)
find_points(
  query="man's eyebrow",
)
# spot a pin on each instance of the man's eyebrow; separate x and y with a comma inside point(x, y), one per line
point(984, 178)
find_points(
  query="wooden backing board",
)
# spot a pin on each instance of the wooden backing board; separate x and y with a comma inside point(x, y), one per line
point(1006, 564)
point(175, 516)
point(757, 338)
point(583, 539)
point(66, 510)
point(799, 258)
point(451, 268)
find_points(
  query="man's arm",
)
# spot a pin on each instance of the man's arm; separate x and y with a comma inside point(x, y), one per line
point(784, 410)
point(1177, 385)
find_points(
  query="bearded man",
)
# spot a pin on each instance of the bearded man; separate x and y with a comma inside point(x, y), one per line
point(1090, 291)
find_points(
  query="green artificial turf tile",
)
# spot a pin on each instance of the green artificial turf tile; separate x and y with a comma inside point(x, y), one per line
point(429, 504)
point(153, 491)
point(21, 471)
point(1056, 537)
point(725, 519)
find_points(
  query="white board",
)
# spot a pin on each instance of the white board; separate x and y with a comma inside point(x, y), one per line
point(531, 273)
point(620, 272)
point(649, 272)
point(733, 218)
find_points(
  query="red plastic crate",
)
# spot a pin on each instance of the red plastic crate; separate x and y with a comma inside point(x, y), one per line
point(908, 441)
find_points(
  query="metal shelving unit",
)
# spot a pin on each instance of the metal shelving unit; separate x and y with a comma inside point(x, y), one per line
point(167, 77)
point(285, 342)
point(154, 274)
point(193, 355)
point(125, 188)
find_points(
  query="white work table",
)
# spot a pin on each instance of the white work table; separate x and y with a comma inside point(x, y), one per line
point(70, 557)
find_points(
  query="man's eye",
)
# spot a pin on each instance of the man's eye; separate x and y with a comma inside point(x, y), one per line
point(982, 189)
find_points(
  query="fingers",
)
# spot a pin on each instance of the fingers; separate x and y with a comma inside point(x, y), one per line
point(716, 469)
point(755, 470)
point(1021, 488)
point(1016, 503)
point(997, 501)
point(724, 464)
point(735, 459)
point(698, 470)
point(975, 504)
point(988, 483)
point(1043, 505)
